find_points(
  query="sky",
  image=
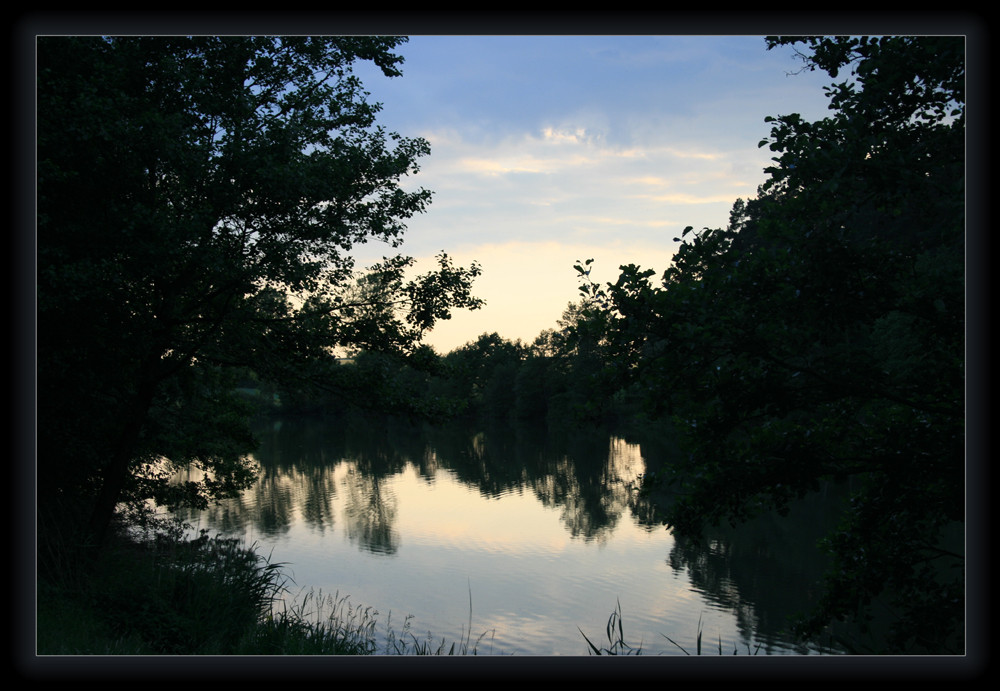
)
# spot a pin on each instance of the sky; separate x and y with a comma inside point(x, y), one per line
point(548, 150)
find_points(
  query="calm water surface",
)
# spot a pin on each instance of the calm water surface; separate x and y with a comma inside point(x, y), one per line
point(538, 535)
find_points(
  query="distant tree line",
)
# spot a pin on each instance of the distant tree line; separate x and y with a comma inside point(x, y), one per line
point(561, 378)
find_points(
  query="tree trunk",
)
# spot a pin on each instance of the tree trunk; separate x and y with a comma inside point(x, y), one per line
point(117, 470)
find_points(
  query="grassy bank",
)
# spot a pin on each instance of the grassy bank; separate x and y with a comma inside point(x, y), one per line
point(165, 595)
point(162, 594)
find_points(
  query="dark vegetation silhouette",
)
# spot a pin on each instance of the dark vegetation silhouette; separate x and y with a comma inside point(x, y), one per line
point(189, 187)
point(820, 336)
point(198, 201)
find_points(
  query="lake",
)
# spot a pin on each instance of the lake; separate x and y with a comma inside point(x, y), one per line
point(535, 535)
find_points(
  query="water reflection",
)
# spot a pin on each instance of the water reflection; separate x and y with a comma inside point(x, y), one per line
point(306, 465)
point(341, 477)
point(767, 570)
point(370, 510)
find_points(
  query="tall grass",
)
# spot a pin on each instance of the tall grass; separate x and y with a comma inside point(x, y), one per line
point(615, 633)
point(317, 624)
point(162, 596)
point(158, 592)
point(406, 642)
point(616, 637)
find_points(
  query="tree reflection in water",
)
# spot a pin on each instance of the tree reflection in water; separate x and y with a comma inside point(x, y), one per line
point(324, 475)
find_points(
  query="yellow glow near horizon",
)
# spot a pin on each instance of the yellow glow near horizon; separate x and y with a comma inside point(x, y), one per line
point(527, 286)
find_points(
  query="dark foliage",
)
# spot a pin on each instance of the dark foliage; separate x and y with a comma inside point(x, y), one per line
point(198, 200)
point(820, 336)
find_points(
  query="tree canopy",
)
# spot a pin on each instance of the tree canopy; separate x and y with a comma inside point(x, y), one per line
point(198, 199)
point(819, 337)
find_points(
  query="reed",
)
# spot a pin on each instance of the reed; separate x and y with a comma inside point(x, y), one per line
point(161, 593)
point(317, 624)
point(406, 642)
point(616, 637)
point(156, 592)
point(187, 597)
point(615, 633)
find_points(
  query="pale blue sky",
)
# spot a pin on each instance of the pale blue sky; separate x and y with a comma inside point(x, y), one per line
point(550, 149)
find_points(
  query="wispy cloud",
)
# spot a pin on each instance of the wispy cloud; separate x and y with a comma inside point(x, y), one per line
point(544, 147)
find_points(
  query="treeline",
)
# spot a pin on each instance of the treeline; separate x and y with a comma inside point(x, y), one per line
point(563, 377)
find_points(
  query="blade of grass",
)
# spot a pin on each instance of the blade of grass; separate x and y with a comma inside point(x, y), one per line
point(674, 642)
point(592, 646)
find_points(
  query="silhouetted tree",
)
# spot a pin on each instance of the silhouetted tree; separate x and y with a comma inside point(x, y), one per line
point(198, 200)
point(820, 335)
